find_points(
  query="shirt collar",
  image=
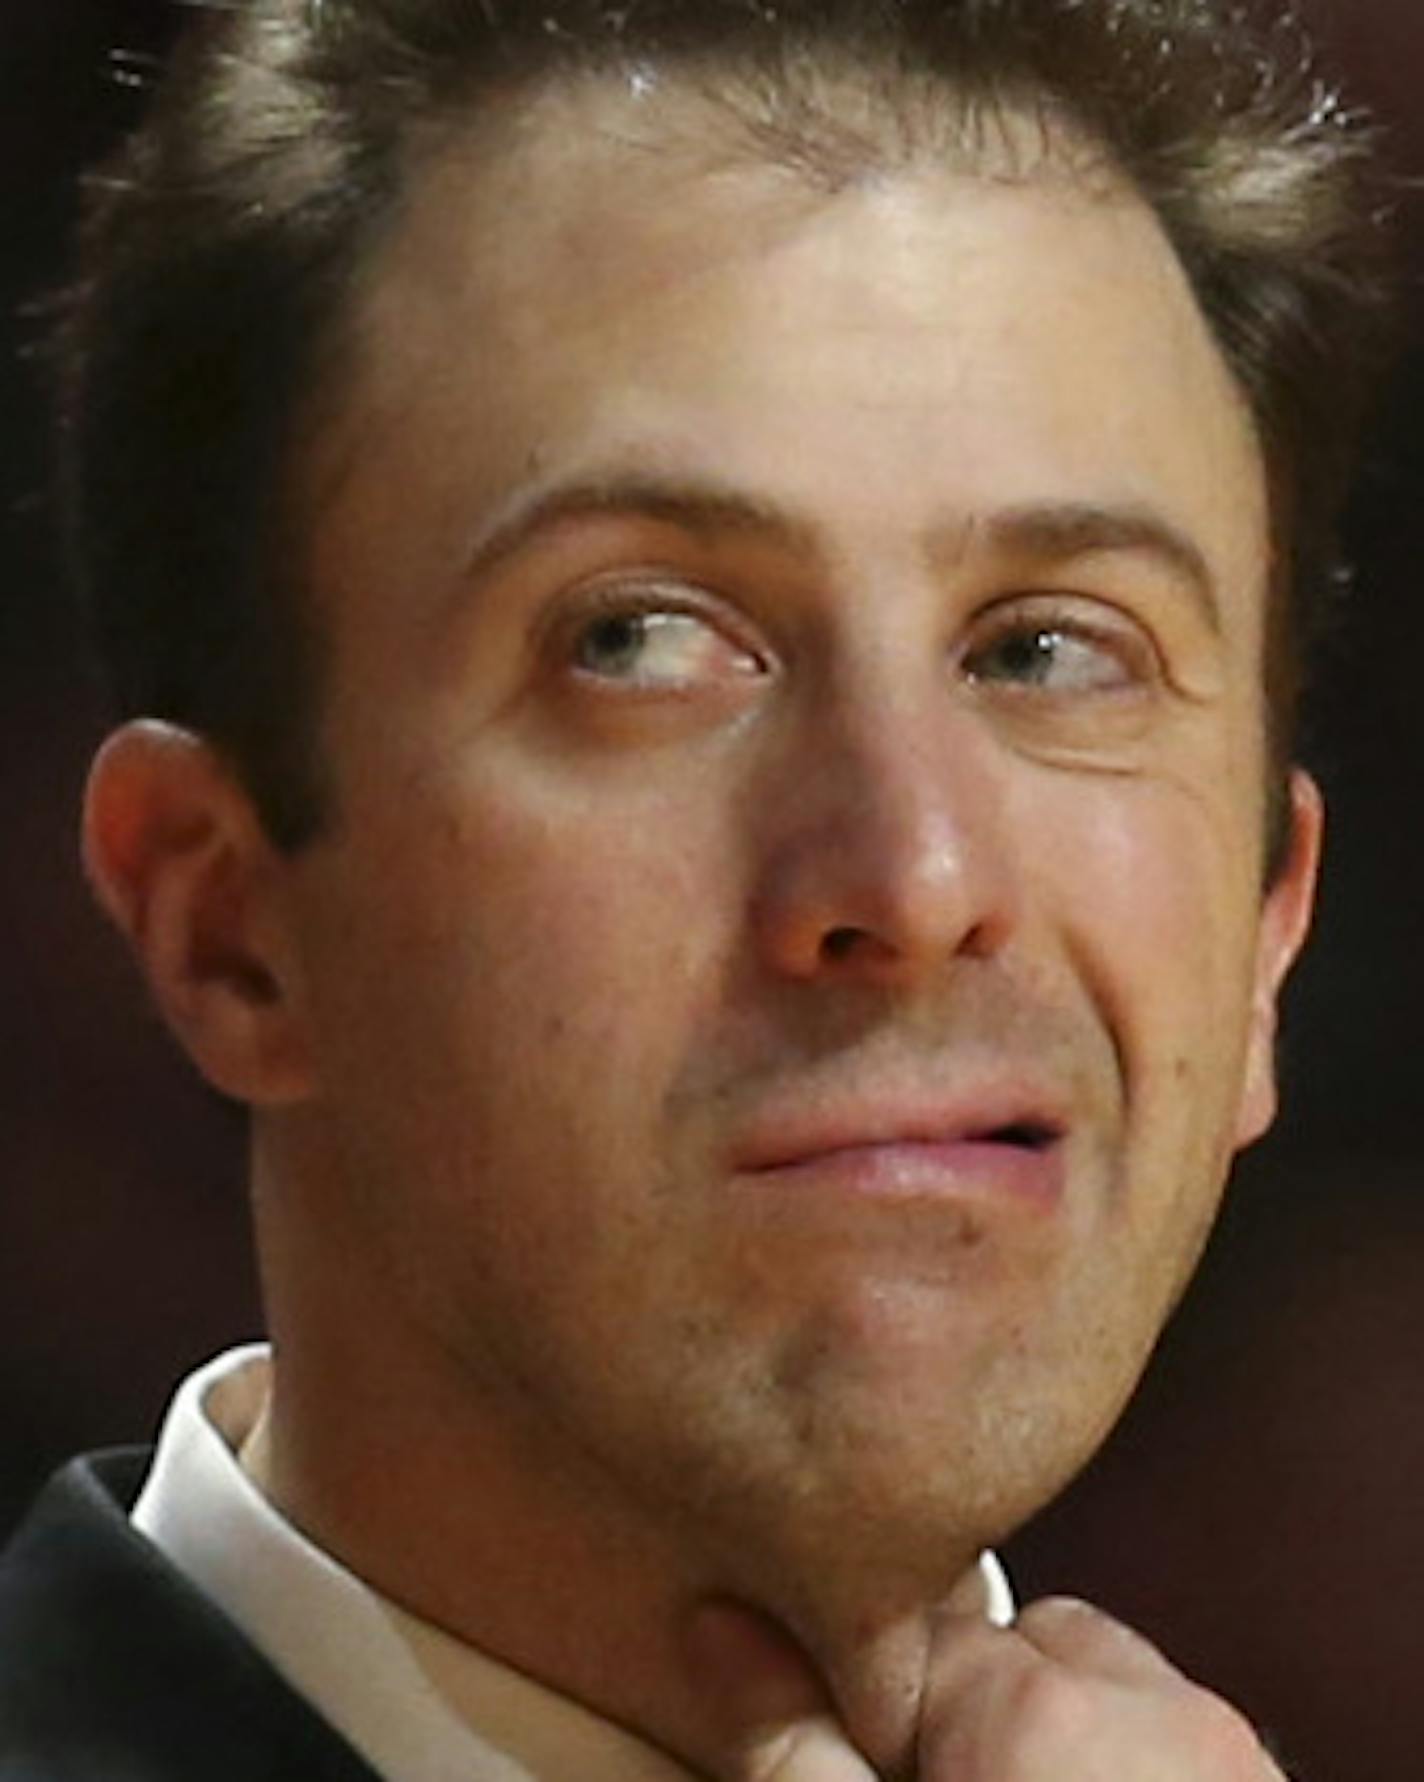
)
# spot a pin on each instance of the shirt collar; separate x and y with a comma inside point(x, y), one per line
point(418, 1705)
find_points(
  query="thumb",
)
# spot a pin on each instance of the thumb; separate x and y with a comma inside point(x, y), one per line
point(772, 1720)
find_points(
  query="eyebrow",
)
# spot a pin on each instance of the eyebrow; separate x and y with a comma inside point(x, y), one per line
point(702, 510)
point(1060, 532)
point(1049, 533)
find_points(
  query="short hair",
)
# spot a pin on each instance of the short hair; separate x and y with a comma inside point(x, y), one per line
point(223, 247)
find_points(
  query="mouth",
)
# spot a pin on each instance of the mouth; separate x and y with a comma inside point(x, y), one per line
point(1023, 1135)
point(1017, 1160)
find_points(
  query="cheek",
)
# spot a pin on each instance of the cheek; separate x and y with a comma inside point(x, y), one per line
point(1161, 908)
point(507, 929)
point(511, 993)
point(1156, 890)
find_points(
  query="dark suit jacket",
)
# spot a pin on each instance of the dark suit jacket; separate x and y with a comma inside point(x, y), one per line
point(113, 1668)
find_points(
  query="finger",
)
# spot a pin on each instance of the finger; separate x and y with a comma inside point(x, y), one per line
point(1083, 1638)
point(1070, 1693)
point(772, 1720)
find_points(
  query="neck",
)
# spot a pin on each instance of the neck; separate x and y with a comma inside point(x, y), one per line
point(473, 1511)
point(488, 1545)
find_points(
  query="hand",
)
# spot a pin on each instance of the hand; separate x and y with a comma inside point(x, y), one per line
point(1065, 1695)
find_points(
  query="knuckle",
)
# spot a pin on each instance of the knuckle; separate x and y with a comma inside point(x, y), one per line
point(1063, 1603)
point(1228, 1743)
point(1075, 1632)
point(1052, 1707)
point(1060, 1612)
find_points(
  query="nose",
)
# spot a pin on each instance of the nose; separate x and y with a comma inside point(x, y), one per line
point(888, 846)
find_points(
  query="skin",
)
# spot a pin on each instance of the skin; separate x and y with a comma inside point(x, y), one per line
point(683, 812)
point(1066, 1695)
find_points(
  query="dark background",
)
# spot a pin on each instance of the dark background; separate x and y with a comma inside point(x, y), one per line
point(1258, 1510)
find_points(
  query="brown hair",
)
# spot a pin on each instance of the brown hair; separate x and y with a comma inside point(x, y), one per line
point(222, 247)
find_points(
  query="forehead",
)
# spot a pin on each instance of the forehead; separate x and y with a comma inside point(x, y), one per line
point(604, 280)
point(603, 183)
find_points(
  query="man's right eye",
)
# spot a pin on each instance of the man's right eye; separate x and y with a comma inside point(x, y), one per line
point(650, 648)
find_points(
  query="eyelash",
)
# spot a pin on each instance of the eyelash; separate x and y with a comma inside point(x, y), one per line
point(1021, 614)
point(642, 599)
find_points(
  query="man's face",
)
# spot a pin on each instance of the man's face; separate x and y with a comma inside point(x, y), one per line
point(790, 969)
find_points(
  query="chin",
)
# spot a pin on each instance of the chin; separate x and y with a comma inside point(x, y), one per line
point(882, 1517)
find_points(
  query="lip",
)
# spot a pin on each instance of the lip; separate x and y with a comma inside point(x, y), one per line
point(994, 1145)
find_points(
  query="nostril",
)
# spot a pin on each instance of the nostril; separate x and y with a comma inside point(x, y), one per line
point(840, 943)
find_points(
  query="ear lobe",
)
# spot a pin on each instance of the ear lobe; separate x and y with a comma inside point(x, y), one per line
point(177, 857)
point(1285, 922)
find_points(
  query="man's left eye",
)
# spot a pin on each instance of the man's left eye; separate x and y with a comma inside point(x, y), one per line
point(657, 650)
point(1053, 658)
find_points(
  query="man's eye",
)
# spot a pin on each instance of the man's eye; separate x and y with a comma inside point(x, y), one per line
point(656, 650)
point(1054, 658)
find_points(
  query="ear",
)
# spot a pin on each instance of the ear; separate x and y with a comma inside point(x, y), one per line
point(1285, 922)
point(178, 858)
